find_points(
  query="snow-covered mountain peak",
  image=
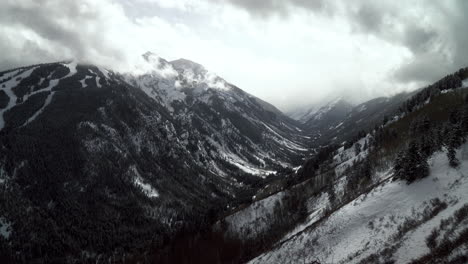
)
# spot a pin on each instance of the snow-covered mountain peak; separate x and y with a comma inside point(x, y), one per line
point(153, 64)
point(188, 65)
point(196, 75)
point(318, 110)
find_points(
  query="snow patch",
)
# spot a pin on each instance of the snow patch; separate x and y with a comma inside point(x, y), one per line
point(52, 84)
point(9, 85)
point(253, 220)
point(465, 83)
point(83, 82)
point(72, 67)
point(147, 189)
point(5, 228)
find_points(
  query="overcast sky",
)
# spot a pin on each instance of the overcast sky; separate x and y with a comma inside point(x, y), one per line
point(288, 52)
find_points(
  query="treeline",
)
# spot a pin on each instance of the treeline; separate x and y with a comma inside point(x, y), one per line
point(215, 245)
point(451, 81)
point(427, 137)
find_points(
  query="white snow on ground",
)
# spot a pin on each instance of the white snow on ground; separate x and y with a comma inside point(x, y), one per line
point(254, 219)
point(346, 157)
point(83, 82)
point(8, 74)
point(241, 164)
point(447, 91)
point(316, 208)
point(316, 111)
point(52, 84)
point(340, 124)
point(105, 72)
point(324, 109)
point(9, 85)
point(251, 170)
point(362, 108)
point(38, 112)
point(72, 67)
point(98, 85)
point(147, 189)
point(156, 85)
point(284, 141)
point(369, 223)
point(5, 228)
point(296, 169)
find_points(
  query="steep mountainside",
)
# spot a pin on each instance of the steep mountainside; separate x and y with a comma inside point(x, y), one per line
point(363, 117)
point(247, 132)
point(397, 194)
point(339, 121)
point(327, 117)
point(113, 162)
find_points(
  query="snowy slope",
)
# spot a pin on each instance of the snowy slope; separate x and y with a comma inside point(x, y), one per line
point(379, 220)
point(316, 112)
point(250, 222)
point(230, 123)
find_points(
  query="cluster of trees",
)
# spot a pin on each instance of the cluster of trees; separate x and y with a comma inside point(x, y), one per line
point(411, 164)
point(313, 166)
point(426, 137)
point(359, 176)
point(349, 143)
point(451, 81)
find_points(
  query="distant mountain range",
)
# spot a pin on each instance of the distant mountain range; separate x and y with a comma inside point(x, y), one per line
point(338, 120)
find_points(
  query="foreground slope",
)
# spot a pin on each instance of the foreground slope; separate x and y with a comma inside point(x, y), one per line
point(391, 222)
point(399, 186)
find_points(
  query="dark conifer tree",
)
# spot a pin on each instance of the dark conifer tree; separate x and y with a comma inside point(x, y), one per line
point(398, 166)
point(413, 165)
point(357, 148)
point(365, 147)
point(427, 144)
point(454, 116)
point(454, 141)
point(451, 155)
point(464, 119)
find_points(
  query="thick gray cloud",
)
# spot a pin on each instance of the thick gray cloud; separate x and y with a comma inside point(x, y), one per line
point(430, 30)
point(270, 7)
point(312, 48)
point(49, 30)
point(433, 31)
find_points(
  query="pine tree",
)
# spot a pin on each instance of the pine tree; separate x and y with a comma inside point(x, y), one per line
point(414, 165)
point(357, 148)
point(365, 147)
point(454, 136)
point(398, 166)
point(454, 141)
point(464, 120)
point(454, 116)
point(451, 155)
point(426, 144)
